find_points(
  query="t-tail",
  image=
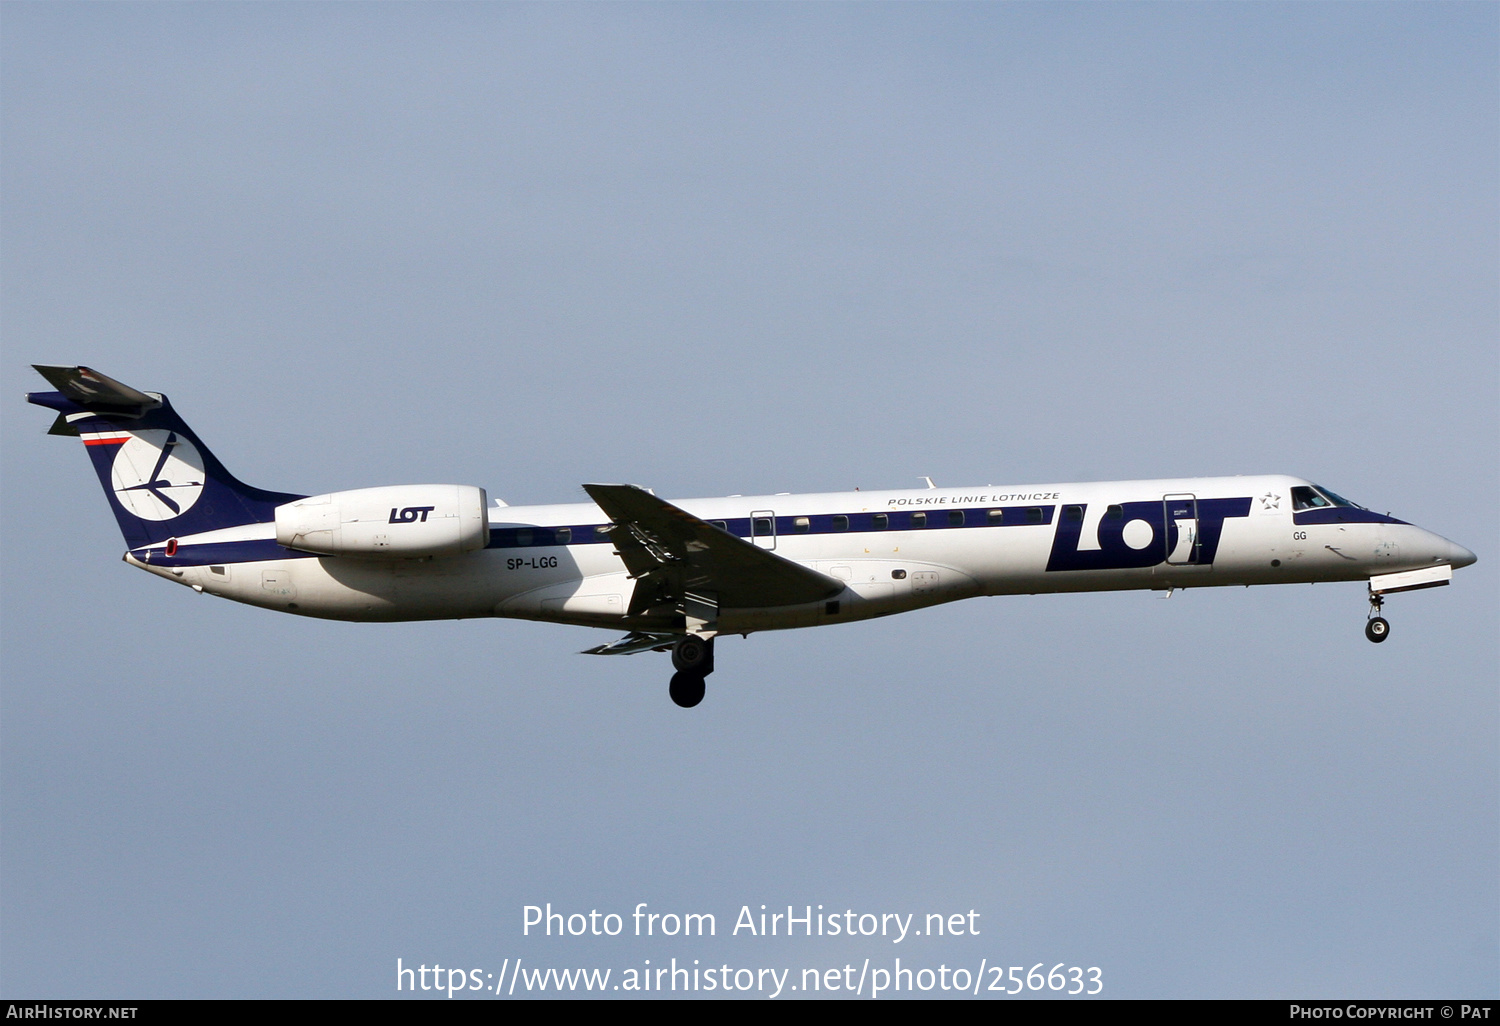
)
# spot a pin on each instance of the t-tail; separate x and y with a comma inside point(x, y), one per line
point(158, 476)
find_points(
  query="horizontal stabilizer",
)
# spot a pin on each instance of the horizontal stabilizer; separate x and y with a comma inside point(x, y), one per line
point(635, 642)
point(97, 392)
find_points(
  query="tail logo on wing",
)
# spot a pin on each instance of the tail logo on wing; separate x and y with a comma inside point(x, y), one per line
point(157, 474)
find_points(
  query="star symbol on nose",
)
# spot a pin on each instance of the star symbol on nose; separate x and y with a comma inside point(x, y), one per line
point(1270, 501)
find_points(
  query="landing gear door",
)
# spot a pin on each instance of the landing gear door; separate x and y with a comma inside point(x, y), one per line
point(763, 528)
point(1184, 546)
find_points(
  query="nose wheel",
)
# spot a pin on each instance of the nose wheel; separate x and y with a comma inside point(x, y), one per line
point(693, 659)
point(686, 689)
point(1377, 628)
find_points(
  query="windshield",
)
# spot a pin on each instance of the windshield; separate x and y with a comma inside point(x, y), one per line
point(1305, 497)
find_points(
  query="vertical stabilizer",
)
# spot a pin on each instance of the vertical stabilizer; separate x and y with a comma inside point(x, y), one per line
point(159, 478)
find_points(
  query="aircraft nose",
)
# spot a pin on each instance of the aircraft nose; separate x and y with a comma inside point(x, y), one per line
point(1460, 556)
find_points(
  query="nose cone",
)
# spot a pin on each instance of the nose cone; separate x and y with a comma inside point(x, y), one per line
point(1460, 556)
point(1427, 548)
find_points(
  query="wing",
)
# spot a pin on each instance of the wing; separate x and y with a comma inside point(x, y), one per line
point(678, 560)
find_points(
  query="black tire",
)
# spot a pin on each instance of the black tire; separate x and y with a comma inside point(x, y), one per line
point(693, 655)
point(686, 689)
point(1377, 629)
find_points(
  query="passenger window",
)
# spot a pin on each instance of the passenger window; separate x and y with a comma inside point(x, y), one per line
point(523, 537)
point(761, 528)
point(1114, 512)
point(997, 516)
point(722, 525)
point(840, 522)
point(602, 530)
point(898, 575)
point(1072, 514)
point(955, 518)
point(564, 535)
point(801, 525)
point(880, 521)
point(1033, 515)
point(919, 520)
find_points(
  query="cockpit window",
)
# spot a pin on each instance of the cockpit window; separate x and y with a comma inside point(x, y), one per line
point(1307, 498)
point(1338, 500)
point(1304, 497)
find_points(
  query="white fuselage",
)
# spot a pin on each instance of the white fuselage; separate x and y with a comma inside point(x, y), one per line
point(895, 551)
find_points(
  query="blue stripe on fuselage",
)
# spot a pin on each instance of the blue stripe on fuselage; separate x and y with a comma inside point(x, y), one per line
point(1341, 515)
point(1065, 555)
point(817, 523)
point(264, 549)
point(257, 551)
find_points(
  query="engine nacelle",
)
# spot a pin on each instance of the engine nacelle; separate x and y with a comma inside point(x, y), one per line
point(399, 522)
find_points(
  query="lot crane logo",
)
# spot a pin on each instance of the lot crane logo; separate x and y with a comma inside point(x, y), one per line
point(157, 474)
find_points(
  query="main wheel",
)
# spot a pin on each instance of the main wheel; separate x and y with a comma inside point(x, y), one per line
point(686, 689)
point(693, 655)
point(1376, 629)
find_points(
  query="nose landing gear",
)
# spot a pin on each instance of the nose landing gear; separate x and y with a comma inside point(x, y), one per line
point(1377, 629)
point(686, 689)
point(1439, 573)
point(693, 659)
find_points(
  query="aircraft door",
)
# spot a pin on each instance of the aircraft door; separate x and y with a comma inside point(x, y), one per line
point(763, 528)
point(1181, 512)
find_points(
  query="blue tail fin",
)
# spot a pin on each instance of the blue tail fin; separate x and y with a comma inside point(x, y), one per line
point(159, 477)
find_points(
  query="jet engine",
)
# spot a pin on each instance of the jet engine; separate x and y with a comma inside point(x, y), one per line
point(398, 522)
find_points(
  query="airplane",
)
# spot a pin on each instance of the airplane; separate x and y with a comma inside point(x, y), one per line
point(676, 575)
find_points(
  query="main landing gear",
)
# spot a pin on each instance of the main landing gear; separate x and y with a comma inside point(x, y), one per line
point(1377, 629)
point(693, 659)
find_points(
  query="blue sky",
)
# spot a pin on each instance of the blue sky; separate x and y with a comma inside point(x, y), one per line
point(736, 249)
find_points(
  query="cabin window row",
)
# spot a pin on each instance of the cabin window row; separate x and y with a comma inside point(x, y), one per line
point(882, 521)
point(1074, 514)
point(522, 537)
point(764, 527)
